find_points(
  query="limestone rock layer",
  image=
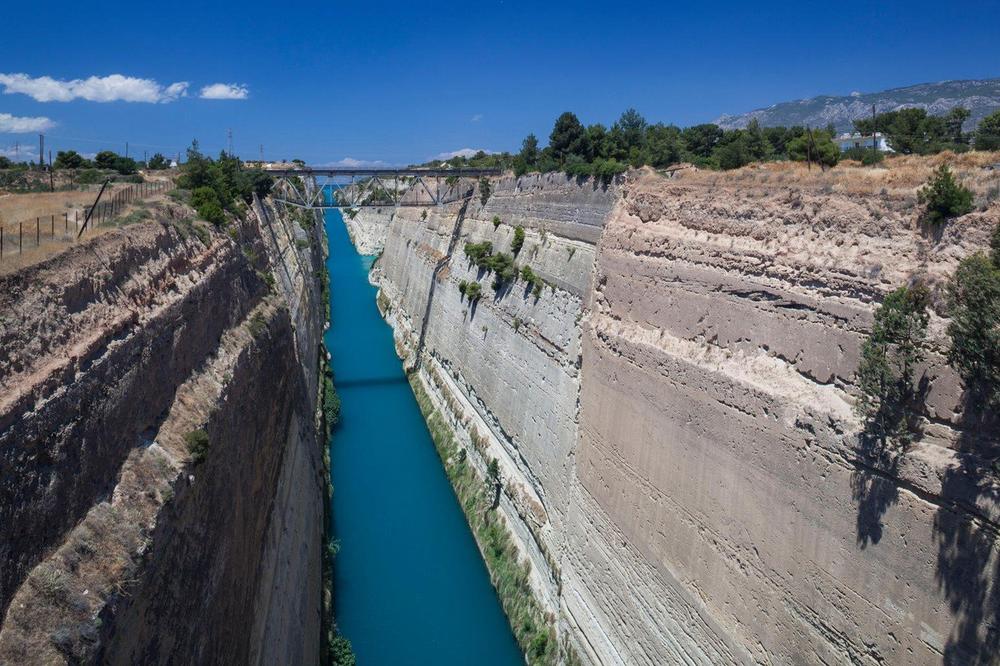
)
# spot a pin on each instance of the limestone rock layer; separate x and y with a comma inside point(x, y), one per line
point(673, 414)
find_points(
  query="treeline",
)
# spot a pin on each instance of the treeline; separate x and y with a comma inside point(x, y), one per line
point(596, 150)
point(915, 132)
point(220, 185)
point(631, 141)
point(106, 159)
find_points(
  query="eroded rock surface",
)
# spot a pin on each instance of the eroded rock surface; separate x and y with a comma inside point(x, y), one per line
point(674, 420)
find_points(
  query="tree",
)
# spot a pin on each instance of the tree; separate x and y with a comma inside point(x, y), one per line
point(814, 146)
point(944, 196)
point(756, 142)
point(5, 162)
point(597, 143)
point(125, 166)
point(953, 121)
point(629, 134)
point(700, 140)
point(106, 159)
point(529, 150)
point(733, 151)
point(888, 360)
point(158, 162)
point(69, 159)
point(567, 137)
point(974, 308)
point(988, 132)
point(663, 145)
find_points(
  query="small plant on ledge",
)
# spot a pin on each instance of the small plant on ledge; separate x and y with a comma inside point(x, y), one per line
point(518, 242)
point(944, 197)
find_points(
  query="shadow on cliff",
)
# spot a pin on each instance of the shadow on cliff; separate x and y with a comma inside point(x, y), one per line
point(874, 484)
point(968, 565)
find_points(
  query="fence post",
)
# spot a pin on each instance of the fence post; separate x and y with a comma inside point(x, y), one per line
point(65, 223)
point(20, 237)
point(38, 231)
point(1, 241)
point(52, 224)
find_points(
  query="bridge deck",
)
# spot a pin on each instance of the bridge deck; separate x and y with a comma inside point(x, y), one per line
point(308, 171)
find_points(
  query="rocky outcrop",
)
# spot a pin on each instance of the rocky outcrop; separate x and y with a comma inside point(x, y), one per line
point(673, 414)
point(123, 545)
point(368, 228)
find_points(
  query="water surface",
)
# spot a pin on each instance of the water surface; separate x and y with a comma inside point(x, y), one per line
point(410, 586)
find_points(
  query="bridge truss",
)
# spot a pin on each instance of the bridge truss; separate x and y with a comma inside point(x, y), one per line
point(307, 187)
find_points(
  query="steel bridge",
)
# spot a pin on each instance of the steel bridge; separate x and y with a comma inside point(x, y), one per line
point(306, 187)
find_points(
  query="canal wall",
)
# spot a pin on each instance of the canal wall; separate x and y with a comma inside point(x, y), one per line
point(128, 537)
point(673, 420)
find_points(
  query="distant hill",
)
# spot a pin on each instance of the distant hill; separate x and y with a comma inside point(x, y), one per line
point(980, 97)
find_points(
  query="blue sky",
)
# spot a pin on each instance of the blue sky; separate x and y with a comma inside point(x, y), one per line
point(404, 82)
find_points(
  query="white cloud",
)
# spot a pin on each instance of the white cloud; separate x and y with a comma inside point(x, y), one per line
point(476, 118)
point(23, 125)
point(225, 91)
point(113, 88)
point(464, 152)
point(352, 163)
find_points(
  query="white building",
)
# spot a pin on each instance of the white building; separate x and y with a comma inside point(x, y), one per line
point(855, 140)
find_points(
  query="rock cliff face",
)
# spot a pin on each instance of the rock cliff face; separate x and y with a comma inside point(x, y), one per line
point(673, 415)
point(119, 544)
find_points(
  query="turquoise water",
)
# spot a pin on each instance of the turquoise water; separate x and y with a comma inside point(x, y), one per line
point(409, 584)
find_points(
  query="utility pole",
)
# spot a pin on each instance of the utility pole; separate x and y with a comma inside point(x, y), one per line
point(126, 149)
point(52, 184)
point(41, 152)
point(262, 154)
point(229, 140)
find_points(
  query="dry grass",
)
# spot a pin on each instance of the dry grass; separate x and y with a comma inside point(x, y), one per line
point(46, 235)
point(899, 176)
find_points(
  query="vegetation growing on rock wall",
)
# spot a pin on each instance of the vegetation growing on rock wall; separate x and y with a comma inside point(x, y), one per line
point(485, 189)
point(496, 222)
point(974, 299)
point(518, 242)
point(197, 445)
point(944, 197)
point(534, 631)
point(888, 360)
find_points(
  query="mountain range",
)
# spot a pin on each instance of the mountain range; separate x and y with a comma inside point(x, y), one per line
point(981, 97)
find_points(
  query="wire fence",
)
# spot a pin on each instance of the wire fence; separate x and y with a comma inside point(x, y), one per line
point(28, 236)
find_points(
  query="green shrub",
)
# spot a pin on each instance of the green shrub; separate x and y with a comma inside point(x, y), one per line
point(331, 402)
point(528, 275)
point(888, 359)
point(974, 300)
point(341, 652)
point(462, 286)
point(202, 233)
point(477, 252)
point(944, 197)
point(197, 445)
point(518, 242)
point(866, 156)
point(503, 267)
point(496, 222)
point(473, 291)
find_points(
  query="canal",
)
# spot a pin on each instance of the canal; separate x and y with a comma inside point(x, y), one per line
point(410, 586)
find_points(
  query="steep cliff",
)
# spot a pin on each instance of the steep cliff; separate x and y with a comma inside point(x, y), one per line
point(673, 415)
point(162, 490)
